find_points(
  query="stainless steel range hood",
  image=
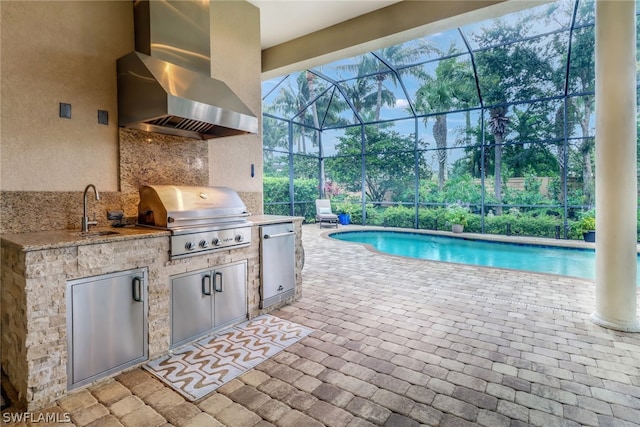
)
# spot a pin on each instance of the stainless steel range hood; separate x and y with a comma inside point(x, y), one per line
point(164, 86)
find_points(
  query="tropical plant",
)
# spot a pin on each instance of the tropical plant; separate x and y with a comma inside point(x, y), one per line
point(457, 214)
point(367, 92)
point(587, 222)
point(361, 94)
point(275, 135)
point(498, 122)
point(396, 55)
point(300, 96)
point(510, 72)
point(460, 187)
point(442, 93)
point(386, 173)
point(346, 204)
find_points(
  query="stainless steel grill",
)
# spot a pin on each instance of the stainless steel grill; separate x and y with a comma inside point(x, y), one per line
point(201, 219)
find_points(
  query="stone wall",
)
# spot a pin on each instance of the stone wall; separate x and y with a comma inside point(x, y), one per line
point(34, 315)
point(28, 211)
point(13, 322)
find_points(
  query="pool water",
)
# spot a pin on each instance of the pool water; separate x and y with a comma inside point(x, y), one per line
point(541, 259)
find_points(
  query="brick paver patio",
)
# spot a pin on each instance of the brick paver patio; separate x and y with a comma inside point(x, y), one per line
point(403, 342)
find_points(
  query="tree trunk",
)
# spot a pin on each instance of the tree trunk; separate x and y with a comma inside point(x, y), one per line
point(586, 148)
point(498, 126)
point(467, 136)
point(380, 79)
point(562, 152)
point(302, 143)
point(563, 177)
point(587, 174)
point(440, 135)
point(312, 95)
point(316, 123)
point(497, 172)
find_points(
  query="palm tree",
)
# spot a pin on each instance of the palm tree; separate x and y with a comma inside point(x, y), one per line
point(362, 96)
point(373, 67)
point(437, 95)
point(449, 89)
point(312, 95)
point(291, 102)
point(498, 123)
point(509, 71)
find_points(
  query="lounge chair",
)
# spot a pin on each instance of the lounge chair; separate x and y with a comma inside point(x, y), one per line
point(324, 214)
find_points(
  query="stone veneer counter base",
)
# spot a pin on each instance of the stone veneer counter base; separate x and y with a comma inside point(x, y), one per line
point(35, 270)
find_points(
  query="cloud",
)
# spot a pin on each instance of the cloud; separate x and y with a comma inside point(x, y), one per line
point(401, 103)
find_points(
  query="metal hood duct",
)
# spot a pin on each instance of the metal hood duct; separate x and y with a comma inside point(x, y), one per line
point(164, 86)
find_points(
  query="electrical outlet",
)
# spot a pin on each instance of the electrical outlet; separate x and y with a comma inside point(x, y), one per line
point(65, 110)
point(103, 117)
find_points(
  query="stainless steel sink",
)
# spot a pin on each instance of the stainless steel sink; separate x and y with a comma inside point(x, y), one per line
point(96, 233)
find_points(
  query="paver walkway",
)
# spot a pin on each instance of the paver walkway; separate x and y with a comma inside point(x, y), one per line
point(402, 342)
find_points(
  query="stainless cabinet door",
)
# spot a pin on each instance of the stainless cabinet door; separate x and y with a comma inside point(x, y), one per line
point(107, 324)
point(230, 293)
point(191, 306)
point(277, 262)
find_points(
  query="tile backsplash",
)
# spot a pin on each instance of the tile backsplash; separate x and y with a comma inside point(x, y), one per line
point(23, 211)
point(151, 158)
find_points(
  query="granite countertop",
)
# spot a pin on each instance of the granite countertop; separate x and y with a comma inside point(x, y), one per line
point(272, 219)
point(40, 240)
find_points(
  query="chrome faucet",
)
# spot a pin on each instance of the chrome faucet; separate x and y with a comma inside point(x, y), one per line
point(85, 219)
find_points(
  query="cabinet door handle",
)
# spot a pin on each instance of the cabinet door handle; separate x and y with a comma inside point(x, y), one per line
point(136, 289)
point(206, 280)
point(218, 274)
point(273, 236)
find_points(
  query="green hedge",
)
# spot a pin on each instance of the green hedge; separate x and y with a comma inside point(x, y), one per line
point(535, 223)
point(276, 190)
point(523, 225)
point(434, 219)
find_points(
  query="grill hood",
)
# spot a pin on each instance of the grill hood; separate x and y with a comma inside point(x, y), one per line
point(164, 86)
point(176, 206)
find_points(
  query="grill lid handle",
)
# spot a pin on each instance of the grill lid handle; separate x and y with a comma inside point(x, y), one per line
point(242, 215)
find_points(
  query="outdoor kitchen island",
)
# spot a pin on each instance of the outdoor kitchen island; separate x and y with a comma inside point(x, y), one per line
point(37, 268)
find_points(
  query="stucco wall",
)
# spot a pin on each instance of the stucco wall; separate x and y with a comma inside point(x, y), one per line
point(56, 52)
point(236, 59)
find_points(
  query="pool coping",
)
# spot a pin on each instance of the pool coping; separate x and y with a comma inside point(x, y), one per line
point(497, 238)
point(493, 238)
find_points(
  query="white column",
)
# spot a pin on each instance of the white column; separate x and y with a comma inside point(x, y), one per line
point(616, 187)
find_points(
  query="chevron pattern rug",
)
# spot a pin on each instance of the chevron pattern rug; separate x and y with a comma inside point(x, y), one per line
point(198, 369)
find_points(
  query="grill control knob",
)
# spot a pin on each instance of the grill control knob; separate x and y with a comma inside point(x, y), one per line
point(239, 238)
point(216, 241)
point(189, 246)
point(204, 244)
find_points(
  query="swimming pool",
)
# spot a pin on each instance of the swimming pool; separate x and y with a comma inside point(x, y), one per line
point(541, 259)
